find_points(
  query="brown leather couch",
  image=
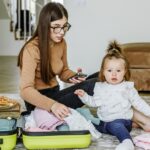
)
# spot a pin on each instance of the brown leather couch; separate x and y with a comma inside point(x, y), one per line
point(138, 55)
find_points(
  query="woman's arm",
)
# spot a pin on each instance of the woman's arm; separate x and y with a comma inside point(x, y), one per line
point(28, 90)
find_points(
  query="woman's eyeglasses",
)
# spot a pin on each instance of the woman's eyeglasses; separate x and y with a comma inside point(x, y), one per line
point(65, 28)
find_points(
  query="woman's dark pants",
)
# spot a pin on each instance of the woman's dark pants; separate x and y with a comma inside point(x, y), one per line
point(67, 96)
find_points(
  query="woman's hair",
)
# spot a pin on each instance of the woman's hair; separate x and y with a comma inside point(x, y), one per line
point(50, 12)
point(114, 51)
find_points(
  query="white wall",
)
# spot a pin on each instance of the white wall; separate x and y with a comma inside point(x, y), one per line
point(96, 22)
point(8, 46)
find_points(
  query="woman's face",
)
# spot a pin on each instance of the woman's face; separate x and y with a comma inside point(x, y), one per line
point(58, 29)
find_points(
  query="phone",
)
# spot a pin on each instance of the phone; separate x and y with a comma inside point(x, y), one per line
point(79, 75)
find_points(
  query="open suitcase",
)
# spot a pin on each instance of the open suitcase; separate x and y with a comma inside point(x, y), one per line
point(9, 112)
point(8, 140)
point(56, 139)
point(8, 134)
point(60, 138)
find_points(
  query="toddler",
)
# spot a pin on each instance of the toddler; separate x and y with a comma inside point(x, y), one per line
point(114, 96)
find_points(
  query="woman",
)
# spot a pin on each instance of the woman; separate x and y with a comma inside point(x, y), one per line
point(44, 57)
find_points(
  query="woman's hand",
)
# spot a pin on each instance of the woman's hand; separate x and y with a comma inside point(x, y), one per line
point(79, 77)
point(60, 110)
point(79, 92)
point(75, 80)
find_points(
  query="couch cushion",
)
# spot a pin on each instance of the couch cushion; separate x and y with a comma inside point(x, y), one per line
point(138, 54)
point(141, 78)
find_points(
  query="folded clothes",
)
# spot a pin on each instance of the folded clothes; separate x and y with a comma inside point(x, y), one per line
point(36, 129)
point(63, 127)
point(46, 120)
point(76, 121)
point(142, 141)
point(30, 121)
point(88, 115)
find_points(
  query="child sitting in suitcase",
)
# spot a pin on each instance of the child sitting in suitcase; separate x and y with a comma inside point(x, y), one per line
point(114, 97)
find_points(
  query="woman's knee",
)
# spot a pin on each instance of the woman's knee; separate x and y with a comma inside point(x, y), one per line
point(90, 84)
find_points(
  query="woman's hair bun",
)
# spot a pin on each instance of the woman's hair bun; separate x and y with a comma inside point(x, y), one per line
point(113, 47)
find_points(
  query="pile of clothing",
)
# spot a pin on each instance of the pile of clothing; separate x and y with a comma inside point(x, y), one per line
point(10, 111)
point(142, 141)
point(79, 119)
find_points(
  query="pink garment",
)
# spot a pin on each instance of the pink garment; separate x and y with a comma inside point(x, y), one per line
point(142, 141)
point(36, 129)
point(46, 120)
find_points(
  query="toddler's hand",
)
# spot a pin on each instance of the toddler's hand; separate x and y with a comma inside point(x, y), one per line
point(79, 92)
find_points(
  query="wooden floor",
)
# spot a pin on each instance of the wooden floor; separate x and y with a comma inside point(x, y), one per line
point(9, 83)
point(9, 74)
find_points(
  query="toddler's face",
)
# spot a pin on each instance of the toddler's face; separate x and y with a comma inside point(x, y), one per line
point(114, 70)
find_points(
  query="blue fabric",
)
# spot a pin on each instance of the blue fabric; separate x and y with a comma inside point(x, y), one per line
point(7, 124)
point(63, 127)
point(120, 128)
point(88, 115)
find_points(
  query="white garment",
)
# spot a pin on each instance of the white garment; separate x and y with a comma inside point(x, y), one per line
point(127, 144)
point(30, 121)
point(115, 101)
point(76, 121)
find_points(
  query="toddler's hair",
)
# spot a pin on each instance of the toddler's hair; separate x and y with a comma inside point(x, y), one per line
point(114, 50)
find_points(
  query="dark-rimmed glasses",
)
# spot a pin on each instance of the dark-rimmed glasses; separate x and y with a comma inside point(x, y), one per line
point(65, 28)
